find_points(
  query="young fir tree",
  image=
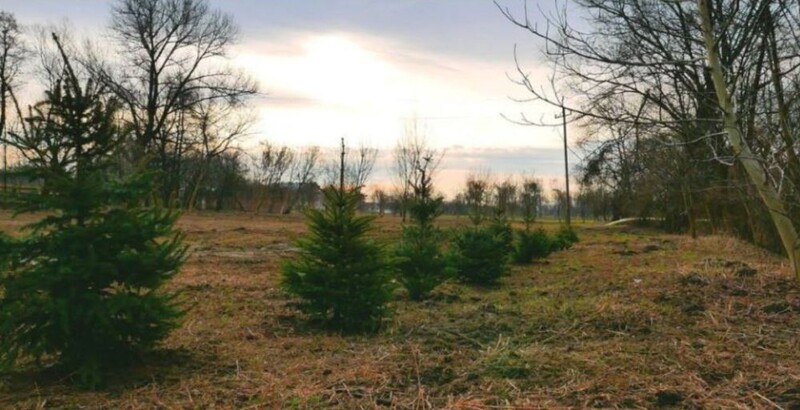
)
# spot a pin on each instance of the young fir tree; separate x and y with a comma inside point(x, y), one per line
point(422, 265)
point(82, 287)
point(481, 252)
point(343, 277)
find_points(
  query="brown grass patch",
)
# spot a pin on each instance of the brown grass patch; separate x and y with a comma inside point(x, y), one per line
point(669, 322)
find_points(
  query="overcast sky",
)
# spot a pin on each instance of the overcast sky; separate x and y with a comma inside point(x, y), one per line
point(361, 69)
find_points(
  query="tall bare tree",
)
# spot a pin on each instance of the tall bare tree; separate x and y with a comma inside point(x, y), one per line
point(302, 174)
point(358, 166)
point(271, 166)
point(477, 195)
point(505, 197)
point(171, 54)
point(699, 94)
point(530, 198)
point(218, 127)
point(12, 54)
point(736, 51)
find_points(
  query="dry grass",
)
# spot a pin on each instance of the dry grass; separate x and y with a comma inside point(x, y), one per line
point(627, 318)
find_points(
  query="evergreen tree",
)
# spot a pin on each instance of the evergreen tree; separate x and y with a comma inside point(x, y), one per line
point(6, 246)
point(532, 245)
point(343, 277)
point(422, 266)
point(82, 287)
point(477, 256)
point(481, 252)
point(500, 227)
point(564, 238)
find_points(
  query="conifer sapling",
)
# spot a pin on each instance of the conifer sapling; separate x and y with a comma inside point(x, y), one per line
point(422, 265)
point(82, 287)
point(343, 277)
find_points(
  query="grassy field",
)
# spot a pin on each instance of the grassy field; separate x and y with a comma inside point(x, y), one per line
point(628, 318)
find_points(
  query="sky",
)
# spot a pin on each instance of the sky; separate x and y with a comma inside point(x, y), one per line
point(364, 69)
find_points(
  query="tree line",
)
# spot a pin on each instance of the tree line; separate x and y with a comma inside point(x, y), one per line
point(167, 63)
point(187, 112)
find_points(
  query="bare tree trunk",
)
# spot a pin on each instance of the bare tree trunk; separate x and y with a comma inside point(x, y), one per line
point(3, 127)
point(775, 205)
point(193, 196)
point(3, 92)
point(690, 214)
point(293, 198)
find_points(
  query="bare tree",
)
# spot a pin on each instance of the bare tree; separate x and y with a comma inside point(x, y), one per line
point(171, 54)
point(635, 79)
point(381, 200)
point(696, 96)
point(12, 54)
point(218, 126)
point(530, 200)
point(411, 152)
point(271, 165)
point(505, 197)
point(559, 202)
point(477, 196)
point(302, 173)
point(360, 168)
point(765, 29)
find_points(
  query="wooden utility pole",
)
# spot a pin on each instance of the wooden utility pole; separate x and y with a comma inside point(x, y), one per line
point(341, 168)
point(566, 165)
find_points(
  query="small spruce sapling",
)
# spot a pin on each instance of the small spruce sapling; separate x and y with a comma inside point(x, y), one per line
point(344, 278)
point(531, 244)
point(83, 286)
point(564, 238)
point(421, 264)
point(480, 253)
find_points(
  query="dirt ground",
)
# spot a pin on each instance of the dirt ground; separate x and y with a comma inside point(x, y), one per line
point(628, 318)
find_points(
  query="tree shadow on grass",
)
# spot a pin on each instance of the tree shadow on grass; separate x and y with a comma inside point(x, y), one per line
point(162, 367)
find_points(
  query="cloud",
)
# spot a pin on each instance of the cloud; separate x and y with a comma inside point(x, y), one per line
point(322, 86)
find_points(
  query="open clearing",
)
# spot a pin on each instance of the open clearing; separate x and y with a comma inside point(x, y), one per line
point(627, 318)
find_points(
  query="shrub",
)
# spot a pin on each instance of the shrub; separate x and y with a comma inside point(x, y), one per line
point(83, 286)
point(532, 245)
point(504, 235)
point(478, 256)
point(6, 245)
point(421, 263)
point(564, 238)
point(344, 278)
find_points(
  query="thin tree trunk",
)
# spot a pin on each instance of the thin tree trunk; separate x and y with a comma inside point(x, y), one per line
point(3, 92)
point(775, 205)
point(193, 196)
point(690, 215)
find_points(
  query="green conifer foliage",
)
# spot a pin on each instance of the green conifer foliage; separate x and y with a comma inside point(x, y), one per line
point(422, 265)
point(530, 245)
point(480, 253)
point(564, 238)
point(478, 256)
point(504, 234)
point(343, 277)
point(82, 286)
